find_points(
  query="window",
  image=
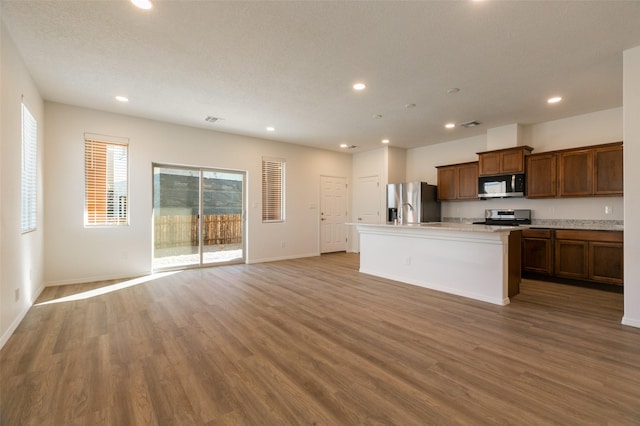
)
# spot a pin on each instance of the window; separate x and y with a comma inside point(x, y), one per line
point(272, 190)
point(29, 167)
point(106, 183)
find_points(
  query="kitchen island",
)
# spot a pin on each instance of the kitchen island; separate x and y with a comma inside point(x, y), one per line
point(476, 261)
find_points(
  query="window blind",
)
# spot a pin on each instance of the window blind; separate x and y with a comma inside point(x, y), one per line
point(29, 169)
point(273, 190)
point(106, 183)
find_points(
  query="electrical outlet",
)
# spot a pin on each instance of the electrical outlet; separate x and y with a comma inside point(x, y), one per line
point(608, 209)
point(17, 294)
point(407, 261)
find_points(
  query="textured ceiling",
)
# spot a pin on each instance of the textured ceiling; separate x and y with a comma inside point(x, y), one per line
point(291, 65)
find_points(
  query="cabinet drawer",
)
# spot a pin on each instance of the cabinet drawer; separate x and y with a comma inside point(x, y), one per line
point(536, 233)
point(606, 236)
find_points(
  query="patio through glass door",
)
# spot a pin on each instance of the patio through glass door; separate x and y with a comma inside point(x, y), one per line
point(198, 217)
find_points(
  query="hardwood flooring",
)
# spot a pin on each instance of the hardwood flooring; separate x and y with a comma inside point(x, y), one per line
point(314, 342)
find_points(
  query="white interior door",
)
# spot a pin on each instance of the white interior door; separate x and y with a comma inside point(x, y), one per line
point(367, 203)
point(333, 214)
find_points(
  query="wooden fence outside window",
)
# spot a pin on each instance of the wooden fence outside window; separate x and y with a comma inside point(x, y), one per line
point(180, 231)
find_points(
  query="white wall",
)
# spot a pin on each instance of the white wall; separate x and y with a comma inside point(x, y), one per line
point(584, 130)
point(74, 253)
point(396, 164)
point(422, 162)
point(21, 255)
point(631, 94)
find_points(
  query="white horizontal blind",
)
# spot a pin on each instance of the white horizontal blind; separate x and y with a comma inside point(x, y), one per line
point(29, 168)
point(273, 190)
point(106, 183)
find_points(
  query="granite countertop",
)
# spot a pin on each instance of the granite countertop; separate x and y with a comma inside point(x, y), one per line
point(581, 224)
point(587, 225)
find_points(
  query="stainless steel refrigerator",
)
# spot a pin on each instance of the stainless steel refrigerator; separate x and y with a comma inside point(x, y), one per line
point(412, 202)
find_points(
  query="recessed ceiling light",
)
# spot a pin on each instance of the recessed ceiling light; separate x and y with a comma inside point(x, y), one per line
point(450, 125)
point(343, 145)
point(453, 90)
point(385, 141)
point(271, 129)
point(554, 100)
point(377, 115)
point(359, 86)
point(409, 106)
point(142, 4)
point(120, 98)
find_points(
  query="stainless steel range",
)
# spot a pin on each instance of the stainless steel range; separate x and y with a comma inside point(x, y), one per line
point(506, 217)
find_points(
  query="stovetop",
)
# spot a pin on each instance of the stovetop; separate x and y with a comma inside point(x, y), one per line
point(506, 217)
point(500, 222)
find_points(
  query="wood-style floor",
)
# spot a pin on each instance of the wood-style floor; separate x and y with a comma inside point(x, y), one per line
point(313, 341)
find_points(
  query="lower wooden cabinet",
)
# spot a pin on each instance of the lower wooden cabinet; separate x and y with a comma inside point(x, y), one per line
point(537, 251)
point(606, 262)
point(572, 259)
point(576, 254)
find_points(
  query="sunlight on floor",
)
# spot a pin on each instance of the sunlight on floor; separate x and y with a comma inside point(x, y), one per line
point(108, 289)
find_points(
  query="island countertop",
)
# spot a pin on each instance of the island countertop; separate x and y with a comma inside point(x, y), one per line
point(448, 226)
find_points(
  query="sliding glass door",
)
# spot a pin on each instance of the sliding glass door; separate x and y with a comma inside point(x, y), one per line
point(197, 217)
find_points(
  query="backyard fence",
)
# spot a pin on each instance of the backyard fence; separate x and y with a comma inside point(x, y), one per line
point(180, 231)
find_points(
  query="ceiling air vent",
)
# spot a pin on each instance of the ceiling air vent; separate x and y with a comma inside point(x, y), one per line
point(211, 119)
point(470, 123)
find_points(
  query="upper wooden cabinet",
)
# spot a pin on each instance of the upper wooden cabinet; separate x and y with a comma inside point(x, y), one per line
point(576, 173)
point(468, 181)
point(580, 172)
point(607, 164)
point(458, 182)
point(447, 183)
point(591, 171)
point(542, 175)
point(509, 160)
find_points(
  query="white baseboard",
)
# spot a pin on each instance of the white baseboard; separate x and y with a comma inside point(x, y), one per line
point(14, 325)
point(96, 278)
point(632, 322)
point(275, 259)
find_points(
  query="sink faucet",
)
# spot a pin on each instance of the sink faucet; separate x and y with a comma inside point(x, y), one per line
point(400, 215)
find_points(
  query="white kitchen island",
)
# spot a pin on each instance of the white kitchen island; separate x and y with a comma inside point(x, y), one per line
point(476, 261)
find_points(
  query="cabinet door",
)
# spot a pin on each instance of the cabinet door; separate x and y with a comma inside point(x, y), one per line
point(576, 173)
point(468, 181)
point(536, 255)
point(542, 176)
point(606, 262)
point(572, 259)
point(512, 161)
point(608, 171)
point(447, 183)
point(489, 164)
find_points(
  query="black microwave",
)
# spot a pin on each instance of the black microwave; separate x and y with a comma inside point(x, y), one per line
point(501, 186)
